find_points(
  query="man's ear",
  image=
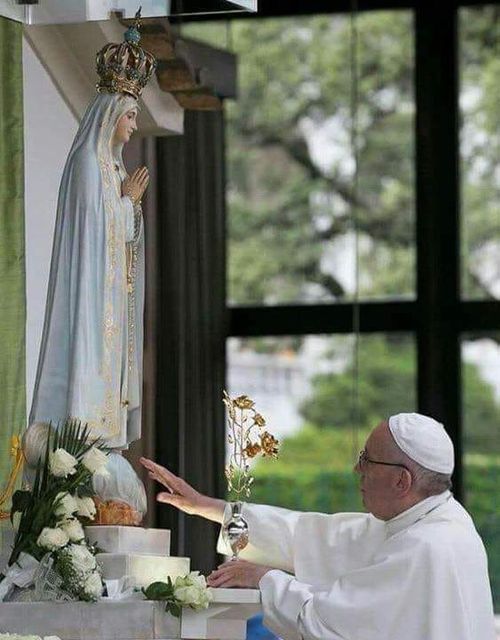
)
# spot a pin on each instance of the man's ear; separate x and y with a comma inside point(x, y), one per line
point(405, 482)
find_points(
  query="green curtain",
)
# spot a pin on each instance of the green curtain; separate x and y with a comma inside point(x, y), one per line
point(12, 271)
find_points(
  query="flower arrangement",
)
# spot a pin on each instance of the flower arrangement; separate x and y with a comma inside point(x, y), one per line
point(186, 591)
point(247, 439)
point(50, 514)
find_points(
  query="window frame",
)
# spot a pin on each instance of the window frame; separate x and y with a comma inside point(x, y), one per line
point(438, 316)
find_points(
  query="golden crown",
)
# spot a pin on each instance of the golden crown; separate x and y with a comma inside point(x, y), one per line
point(125, 67)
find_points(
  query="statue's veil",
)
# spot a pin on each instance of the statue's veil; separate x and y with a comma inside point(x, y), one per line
point(95, 133)
point(85, 330)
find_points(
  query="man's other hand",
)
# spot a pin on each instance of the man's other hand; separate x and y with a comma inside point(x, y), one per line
point(237, 573)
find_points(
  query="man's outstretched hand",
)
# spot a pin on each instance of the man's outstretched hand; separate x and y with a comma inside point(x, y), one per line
point(237, 573)
point(182, 495)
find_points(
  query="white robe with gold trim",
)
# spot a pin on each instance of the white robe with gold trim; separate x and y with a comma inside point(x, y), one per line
point(90, 363)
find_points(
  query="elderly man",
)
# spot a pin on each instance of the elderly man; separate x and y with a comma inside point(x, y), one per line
point(413, 568)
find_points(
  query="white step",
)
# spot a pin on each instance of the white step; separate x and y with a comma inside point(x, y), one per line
point(225, 618)
point(121, 539)
point(142, 569)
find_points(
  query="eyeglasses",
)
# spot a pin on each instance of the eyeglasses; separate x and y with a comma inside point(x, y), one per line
point(363, 459)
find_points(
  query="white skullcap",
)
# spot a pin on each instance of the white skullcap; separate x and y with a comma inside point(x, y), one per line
point(423, 440)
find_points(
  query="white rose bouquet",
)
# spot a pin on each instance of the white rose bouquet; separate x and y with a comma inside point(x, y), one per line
point(51, 513)
point(186, 591)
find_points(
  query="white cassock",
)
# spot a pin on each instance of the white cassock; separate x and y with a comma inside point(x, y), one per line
point(349, 576)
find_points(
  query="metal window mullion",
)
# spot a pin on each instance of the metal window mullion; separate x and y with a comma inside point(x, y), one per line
point(437, 194)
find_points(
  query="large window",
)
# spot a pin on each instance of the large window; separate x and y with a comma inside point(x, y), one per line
point(307, 225)
point(291, 168)
point(406, 248)
point(296, 223)
point(480, 151)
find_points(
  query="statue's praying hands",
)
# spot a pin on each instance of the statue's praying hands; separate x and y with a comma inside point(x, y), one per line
point(135, 185)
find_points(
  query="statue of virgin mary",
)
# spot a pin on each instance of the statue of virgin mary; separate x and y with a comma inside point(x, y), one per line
point(90, 362)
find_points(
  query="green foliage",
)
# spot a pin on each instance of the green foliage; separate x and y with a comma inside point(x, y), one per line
point(287, 205)
point(481, 413)
point(20, 502)
point(308, 490)
point(165, 592)
point(482, 479)
point(387, 385)
point(38, 504)
point(291, 200)
point(75, 438)
point(312, 449)
point(70, 577)
point(387, 381)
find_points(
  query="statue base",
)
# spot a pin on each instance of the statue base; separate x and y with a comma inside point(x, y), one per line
point(141, 570)
point(122, 539)
point(225, 618)
point(140, 555)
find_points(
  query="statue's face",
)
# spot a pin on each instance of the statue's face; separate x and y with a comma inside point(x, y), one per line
point(125, 127)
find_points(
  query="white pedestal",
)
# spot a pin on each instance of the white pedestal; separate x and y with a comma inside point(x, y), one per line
point(142, 569)
point(225, 619)
point(122, 539)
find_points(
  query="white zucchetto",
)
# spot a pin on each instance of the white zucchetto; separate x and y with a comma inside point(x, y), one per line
point(424, 440)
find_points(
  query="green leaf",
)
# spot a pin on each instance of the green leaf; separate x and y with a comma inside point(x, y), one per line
point(20, 502)
point(174, 608)
point(159, 591)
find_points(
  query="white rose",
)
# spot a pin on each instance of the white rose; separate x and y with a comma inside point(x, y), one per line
point(62, 463)
point(192, 590)
point(192, 579)
point(52, 539)
point(73, 528)
point(93, 585)
point(81, 558)
point(197, 579)
point(187, 595)
point(193, 597)
point(65, 505)
point(85, 508)
point(95, 460)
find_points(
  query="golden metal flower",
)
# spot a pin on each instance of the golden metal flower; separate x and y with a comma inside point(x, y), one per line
point(259, 420)
point(270, 446)
point(252, 449)
point(244, 402)
point(244, 431)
